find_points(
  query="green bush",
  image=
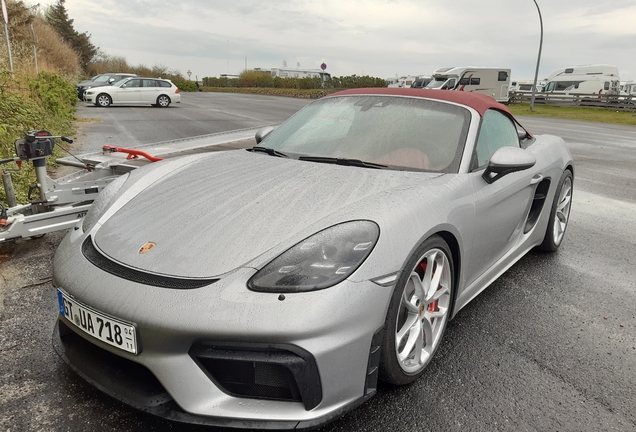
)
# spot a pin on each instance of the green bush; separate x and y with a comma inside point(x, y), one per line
point(45, 102)
point(184, 85)
point(263, 79)
point(56, 95)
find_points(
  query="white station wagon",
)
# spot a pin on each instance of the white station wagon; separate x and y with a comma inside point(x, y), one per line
point(135, 91)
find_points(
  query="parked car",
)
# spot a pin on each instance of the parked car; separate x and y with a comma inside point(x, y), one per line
point(99, 81)
point(135, 90)
point(272, 287)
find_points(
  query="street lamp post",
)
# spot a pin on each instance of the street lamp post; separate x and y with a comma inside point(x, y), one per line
point(536, 72)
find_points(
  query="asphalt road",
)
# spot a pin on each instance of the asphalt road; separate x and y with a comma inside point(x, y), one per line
point(550, 346)
point(197, 114)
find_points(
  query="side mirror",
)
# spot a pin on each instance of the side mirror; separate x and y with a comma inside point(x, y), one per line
point(263, 132)
point(111, 80)
point(507, 160)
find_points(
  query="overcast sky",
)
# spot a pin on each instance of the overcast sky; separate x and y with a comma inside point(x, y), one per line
point(381, 38)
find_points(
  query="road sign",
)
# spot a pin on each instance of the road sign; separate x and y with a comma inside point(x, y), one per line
point(323, 66)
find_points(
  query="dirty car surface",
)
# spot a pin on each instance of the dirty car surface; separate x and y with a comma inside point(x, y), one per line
point(274, 287)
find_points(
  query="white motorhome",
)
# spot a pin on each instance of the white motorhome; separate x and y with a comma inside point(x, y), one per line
point(421, 81)
point(490, 81)
point(628, 88)
point(583, 80)
point(525, 86)
point(402, 82)
point(286, 72)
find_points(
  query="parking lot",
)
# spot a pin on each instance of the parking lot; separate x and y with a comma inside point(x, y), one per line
point(551, 345)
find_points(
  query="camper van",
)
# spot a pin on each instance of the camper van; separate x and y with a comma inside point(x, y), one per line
point(628, 88)
point(402, 82)
point(525, 86)
point(583, 80)
point(486, 80)
point(421, 81)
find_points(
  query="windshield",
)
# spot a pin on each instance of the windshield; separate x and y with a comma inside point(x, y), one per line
point(102, 78)
point(436, 83)
point(120, 82)
point(401, 132)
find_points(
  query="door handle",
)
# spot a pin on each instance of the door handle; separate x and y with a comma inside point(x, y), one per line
point(536, 179)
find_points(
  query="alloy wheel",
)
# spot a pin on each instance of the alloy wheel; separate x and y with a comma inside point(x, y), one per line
point(423, 311)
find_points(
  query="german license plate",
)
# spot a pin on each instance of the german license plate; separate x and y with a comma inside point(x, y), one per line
point(113, 331)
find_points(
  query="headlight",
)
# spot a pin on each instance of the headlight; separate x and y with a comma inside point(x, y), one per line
point(102, 202)
point(320, 261)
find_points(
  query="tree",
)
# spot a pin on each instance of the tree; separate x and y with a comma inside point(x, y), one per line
point(58, 18)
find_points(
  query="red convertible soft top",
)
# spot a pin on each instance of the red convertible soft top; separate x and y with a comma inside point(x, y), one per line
point(479, 102)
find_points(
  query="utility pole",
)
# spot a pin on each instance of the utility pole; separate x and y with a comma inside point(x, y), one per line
point(6, 34)
point(35, 53)
point(536, 72)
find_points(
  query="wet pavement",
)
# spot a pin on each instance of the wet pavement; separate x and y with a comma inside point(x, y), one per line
point(550, 346)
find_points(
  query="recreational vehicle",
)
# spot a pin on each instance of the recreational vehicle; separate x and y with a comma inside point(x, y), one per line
point(421, 81)
point(628, 88)
point(584, 80)
point(525, 86)
point(493, 82)
point(402, 82)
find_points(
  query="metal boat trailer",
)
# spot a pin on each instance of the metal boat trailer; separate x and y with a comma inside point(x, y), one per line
point(62, 202)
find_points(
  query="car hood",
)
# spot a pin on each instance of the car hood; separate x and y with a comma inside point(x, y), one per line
point(96, 84)
point(86, 83)
point(220, 211)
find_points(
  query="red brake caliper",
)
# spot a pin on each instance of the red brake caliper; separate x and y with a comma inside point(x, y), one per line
point(433, 307)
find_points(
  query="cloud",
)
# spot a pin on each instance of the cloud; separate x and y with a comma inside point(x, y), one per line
point(375, 37)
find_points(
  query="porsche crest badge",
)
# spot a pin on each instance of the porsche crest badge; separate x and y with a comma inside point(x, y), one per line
point(146, 248)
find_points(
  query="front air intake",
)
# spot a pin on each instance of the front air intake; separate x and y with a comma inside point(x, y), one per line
point(261, 372)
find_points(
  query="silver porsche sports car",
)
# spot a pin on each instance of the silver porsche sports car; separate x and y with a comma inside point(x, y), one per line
point(273, 287)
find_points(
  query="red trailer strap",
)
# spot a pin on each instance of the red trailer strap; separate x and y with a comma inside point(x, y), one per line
point(132, 153)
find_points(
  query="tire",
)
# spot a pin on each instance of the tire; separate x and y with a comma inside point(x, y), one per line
point(559, 214)
point(163, 101)
point(103, 100)
point(414, 329)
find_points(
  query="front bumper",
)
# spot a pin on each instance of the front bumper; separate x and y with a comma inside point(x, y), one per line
point(134, 385)
point(336, 328)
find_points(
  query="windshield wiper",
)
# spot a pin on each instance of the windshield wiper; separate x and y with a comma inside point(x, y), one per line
point(269, 151)
point(342, 161)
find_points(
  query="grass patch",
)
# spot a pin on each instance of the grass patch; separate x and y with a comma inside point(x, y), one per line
point(31, 103)
point(576, 113)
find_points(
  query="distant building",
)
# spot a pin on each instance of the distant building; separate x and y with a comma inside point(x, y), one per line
point(285, 72)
